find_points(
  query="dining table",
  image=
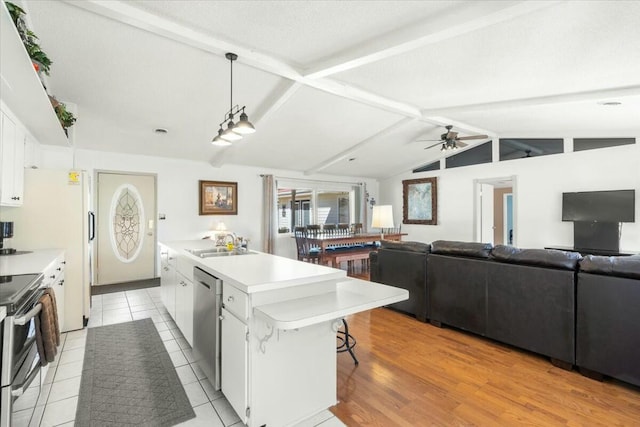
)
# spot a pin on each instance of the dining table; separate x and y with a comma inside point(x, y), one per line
point(325, 241)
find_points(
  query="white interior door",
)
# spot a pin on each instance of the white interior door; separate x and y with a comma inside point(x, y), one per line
point(126, 240)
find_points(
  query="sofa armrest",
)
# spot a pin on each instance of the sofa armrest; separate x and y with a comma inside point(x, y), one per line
point(620, 266)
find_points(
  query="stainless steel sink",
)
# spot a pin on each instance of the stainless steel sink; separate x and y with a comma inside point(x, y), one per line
point(218, 251)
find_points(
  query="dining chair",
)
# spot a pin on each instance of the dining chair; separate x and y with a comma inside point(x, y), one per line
point(305, 251)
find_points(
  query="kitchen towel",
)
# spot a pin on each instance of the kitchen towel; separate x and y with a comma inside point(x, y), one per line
point(47, 329)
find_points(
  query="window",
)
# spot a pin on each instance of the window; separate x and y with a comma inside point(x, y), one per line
point(472, 156)
point(323, 203)
point(581, 144)
point(428, 167)
point(520, 148)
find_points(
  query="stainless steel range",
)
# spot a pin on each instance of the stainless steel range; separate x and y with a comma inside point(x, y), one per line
point(20, 372)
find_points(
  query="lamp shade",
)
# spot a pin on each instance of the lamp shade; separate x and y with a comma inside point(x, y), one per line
point(382, 216)
point(219, 141)
point(244, 126)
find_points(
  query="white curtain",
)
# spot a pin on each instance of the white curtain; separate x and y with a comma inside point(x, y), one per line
point(268, 214)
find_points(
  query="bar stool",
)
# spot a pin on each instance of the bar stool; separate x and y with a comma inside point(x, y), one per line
point(347, 341)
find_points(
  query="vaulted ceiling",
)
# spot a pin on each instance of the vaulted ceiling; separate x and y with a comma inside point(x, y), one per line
point(339, 87)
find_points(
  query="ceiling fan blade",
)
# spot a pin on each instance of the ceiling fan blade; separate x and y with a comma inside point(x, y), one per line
point(460, 144)
point(451, 135)
point(433, 145)
point(464, 138)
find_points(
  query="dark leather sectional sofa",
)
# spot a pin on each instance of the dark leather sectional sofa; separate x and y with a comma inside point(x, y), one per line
point(608, 317)
point(577, 311)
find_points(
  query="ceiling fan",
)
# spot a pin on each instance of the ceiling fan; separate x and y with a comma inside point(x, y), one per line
point(451, 141)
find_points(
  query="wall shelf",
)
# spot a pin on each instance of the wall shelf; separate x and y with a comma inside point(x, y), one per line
point(21, 89)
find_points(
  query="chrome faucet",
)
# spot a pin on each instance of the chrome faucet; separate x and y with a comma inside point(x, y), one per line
point(233, 238)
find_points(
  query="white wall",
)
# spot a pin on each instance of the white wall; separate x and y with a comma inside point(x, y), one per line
point(177, 182)
point(540, 184)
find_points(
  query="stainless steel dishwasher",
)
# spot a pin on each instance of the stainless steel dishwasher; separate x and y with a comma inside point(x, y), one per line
point(206, 324)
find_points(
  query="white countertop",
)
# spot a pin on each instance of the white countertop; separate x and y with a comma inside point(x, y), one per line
point(351, 296)
point(3, 313)
point(33, 262)
point(256, 272)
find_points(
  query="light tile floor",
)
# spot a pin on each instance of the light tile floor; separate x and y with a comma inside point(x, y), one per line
point(58, 400)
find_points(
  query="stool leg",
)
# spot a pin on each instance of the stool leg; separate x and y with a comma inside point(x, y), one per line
point(349, 341)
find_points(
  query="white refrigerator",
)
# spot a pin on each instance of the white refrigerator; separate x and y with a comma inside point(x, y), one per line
point(56, 213)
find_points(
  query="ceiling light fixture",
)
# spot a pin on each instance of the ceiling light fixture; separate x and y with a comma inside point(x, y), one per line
point(449, 146)
point(234, 131)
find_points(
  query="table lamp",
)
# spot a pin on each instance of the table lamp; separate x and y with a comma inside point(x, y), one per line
point(382, 217)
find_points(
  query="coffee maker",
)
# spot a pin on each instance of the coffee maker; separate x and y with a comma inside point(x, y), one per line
point(6, 232)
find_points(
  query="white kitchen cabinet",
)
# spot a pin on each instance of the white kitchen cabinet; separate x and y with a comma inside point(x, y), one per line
point(184, 307)
point(278, 330)
point(168, 280)
point(54, 278)
point(234, 358)
point(11, 161)
point(176, 290)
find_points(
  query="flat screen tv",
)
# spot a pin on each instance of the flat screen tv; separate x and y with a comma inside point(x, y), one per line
point(602, 206)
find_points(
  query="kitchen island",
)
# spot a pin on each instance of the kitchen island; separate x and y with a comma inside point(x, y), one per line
point(279, 319)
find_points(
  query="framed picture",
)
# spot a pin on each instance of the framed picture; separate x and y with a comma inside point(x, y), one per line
point(420, 201)
point(218, 198)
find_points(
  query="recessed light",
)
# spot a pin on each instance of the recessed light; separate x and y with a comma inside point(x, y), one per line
point(610, 103)
point(160, 130)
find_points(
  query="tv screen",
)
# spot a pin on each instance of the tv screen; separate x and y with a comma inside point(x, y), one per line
point(603, 206)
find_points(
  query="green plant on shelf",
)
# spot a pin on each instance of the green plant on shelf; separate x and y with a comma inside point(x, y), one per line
point(65, 117)
point(41, 61)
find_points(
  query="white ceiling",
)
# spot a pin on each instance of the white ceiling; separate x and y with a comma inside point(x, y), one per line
point(339, 87)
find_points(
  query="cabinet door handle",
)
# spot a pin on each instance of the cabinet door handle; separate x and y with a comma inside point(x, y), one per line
point(221, 317)
point(62, 282)
point(53, 276)
point(166, 269)
point(59, 268)
point(230, 299)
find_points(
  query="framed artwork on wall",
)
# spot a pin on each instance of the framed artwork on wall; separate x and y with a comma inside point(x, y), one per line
point(218, 198)
point(420, 201)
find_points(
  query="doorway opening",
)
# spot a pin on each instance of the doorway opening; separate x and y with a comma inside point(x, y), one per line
point(495, 214)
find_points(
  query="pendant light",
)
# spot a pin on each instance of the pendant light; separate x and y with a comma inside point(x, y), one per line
point(233, 131)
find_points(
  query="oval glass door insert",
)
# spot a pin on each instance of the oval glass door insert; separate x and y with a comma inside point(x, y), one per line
point(126, 223)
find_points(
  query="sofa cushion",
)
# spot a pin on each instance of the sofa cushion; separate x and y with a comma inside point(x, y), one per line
point(622, 266)
point(539, 257)
point(406, 246)
point(469, 249)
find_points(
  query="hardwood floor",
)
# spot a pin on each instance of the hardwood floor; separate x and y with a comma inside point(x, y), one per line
point(415, 374)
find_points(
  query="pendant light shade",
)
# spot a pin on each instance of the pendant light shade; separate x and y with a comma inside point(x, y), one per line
point(244, 126)
point(218, 141)
point(233, 132)
point(229, 134)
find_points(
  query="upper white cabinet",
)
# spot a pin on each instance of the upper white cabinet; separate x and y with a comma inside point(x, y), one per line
point(11, 161)
point(20, 87)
